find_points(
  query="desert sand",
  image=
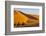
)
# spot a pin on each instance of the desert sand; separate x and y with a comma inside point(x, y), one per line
point(25, 20)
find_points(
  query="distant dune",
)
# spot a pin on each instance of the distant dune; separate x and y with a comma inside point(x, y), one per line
point(25, 20)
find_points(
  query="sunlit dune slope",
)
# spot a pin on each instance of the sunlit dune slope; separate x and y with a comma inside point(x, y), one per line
point(19, 18)
point(23, 19)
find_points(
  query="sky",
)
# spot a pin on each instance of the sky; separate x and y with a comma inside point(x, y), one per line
point(29, 10)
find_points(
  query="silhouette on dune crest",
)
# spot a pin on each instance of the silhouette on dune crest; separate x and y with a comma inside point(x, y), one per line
point(25, 20)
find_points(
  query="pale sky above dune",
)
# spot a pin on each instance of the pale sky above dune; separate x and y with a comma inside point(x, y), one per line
point(29, 10)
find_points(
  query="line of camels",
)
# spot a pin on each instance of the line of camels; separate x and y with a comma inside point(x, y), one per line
point(25, 20)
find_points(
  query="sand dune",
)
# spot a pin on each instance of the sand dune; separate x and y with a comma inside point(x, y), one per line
point(25, 20)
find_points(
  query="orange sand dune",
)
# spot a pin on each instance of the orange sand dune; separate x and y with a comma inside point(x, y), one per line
point(19, 18)
point(25, 19)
